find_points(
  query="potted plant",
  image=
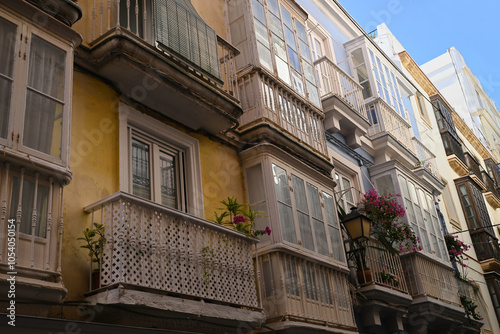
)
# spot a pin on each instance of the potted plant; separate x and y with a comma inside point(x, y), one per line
point(95, 240)
point(240, 219)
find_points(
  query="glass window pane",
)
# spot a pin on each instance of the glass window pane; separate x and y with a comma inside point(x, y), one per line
point(272, 5)
point(283, 70)
point(7, 45)
point(290, 39)
point(314, 203)
point(337, 244)
point(305, 231)
point(300, 194)
point(279, 47)
point(346, 184)
point(320, 234)
point(287, 17)
point(281, 185)
point(294, 59)
point(141, 178)
point(258, 11)
point(333, 228)
point(287, 223)
point(46, 68)
point(313, 93)
point(43, 124)
point(261, 33)
point(304, 51)
point(301, 31)
point(5, 95)
point(168, 166)
point(308, 71)
point(298, 85)
point(265, 56)
point(275, 24)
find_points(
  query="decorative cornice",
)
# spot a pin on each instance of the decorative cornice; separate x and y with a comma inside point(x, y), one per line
point(493, 201)
point(415, 71)
point(457, 165)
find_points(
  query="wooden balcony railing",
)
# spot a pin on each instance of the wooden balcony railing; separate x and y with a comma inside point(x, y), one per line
point(279, 105)
point(333, 80)
point(385, 119)
point(426, 157)
point(137, 17)
point(296, 289)
point(385, 268)
point(425, 277)
point(151, 246)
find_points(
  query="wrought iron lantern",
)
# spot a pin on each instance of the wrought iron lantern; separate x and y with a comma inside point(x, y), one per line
point(357, 225)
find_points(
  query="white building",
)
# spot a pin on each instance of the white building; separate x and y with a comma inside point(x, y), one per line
point(455, 80)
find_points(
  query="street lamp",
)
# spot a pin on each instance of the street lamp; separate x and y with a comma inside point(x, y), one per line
point(357, 225)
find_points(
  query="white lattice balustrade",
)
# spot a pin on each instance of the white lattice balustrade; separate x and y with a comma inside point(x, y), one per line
point(151, 246)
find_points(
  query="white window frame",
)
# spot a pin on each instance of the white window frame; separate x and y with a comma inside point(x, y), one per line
point(158, 148)
point(432, 229)
point(130, 118)
point(321, 189)
point(17, 110)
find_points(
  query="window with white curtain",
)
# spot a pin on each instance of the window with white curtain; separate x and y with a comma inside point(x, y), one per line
point(34, 95)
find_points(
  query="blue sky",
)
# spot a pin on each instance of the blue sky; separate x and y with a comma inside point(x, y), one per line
point(428, 28)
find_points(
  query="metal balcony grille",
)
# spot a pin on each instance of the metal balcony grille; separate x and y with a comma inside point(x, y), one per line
point(180, 30)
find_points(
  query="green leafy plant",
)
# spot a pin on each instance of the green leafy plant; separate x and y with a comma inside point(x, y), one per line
point(388, 278)
point(470, 309)
point(95, 240)
point(240, 219)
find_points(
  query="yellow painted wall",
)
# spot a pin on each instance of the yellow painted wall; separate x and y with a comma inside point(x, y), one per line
point(221, 174)
point(94, 164)
point(212, 12)
point(95, 167)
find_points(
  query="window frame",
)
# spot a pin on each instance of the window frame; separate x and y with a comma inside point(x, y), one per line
point(304, 87)
point(326, 222)
point(19, 89)
point(412, 200)
point(156, 149)
point(166, 136)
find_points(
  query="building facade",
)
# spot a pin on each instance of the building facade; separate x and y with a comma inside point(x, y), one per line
point(147, 114)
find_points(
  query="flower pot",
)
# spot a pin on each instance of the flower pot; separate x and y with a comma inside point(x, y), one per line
point(364, 276)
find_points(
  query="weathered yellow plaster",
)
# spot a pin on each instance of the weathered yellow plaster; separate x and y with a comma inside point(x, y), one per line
point(94, 164)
